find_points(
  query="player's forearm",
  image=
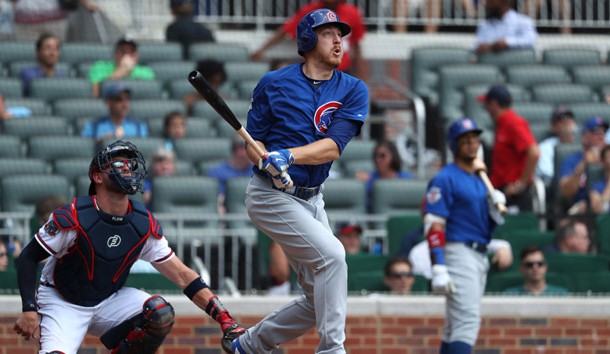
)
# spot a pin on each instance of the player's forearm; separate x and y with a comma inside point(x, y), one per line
point(27, 264)
point(316, 153)
point(533, 153)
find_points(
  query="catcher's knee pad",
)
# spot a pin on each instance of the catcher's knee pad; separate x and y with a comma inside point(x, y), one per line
point(143, 333)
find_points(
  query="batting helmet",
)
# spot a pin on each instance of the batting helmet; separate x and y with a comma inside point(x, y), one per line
point(307, 38)
point(459, 128)
point(103, 161)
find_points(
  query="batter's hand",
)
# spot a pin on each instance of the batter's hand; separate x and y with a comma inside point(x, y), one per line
point(495, 198)
point(276, 162)
point(441, 281)
point(27, 325)
point(282, 181)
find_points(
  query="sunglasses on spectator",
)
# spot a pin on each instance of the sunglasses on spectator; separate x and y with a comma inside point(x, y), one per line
point(2, 254)
point(398, 275)
point(537, 263)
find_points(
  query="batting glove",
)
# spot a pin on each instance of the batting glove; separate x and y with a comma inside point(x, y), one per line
point(441, 281)
point(282, 181)
point(495, 198)
point(276, 162)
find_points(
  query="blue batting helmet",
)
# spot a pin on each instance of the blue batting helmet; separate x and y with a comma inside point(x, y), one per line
point(307, 38)
point(459, 128)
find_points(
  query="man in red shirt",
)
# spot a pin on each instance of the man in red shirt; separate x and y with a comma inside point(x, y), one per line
point(348, 13)
point(515, 151)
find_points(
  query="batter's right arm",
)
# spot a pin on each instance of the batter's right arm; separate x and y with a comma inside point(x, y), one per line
point(434, 229)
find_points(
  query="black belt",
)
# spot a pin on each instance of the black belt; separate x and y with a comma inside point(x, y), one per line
point(477, 246)
point(304, 193)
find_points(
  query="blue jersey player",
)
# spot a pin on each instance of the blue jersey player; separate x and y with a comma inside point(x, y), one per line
point(459, 218)
point(304, 115)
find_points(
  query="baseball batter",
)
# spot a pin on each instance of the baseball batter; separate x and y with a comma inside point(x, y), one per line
point(459, 218)
point(304, 115)
point(91, 244)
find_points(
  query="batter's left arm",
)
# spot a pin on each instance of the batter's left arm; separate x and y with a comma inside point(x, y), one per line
point(316, 153)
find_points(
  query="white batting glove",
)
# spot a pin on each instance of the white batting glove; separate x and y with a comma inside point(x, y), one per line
point(495, 198)
point(441, 281)
point(282, 181)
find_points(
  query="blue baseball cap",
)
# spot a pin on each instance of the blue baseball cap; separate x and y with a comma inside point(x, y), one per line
point(594, 123)
point(113, 90)
point(498, 93)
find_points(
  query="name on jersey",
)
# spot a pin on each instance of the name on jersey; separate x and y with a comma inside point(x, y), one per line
point(324, 115)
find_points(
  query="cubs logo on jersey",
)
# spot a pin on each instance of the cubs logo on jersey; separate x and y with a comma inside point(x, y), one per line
point(324, 115)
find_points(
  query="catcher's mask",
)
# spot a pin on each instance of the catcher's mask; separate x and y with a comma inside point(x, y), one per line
point(106, 161)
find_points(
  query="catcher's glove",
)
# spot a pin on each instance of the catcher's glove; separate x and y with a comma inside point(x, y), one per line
point(229, 335)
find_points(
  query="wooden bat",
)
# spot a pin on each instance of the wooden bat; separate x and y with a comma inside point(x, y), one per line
point(490, 189)
point(220, 106)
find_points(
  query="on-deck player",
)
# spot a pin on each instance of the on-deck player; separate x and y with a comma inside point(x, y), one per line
point(304, 115)
point(92, 244)
point(459, 218)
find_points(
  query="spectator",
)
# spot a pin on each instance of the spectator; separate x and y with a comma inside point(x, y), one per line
point(515, 152)
point(174, 128)
point(572, 236)
point(388, 165)
point(238, 165)
point(117, 123)
point(500, 251)
point(8, 112)
point(573, 171)
point(431, 9)
point(599, 193)
point(350, 235)
point(3, 257)
point(214, 73)
point(125, 65)
point(504, 29)
point(183, 29)
point(47, 56)
point(563, 8)
point(398, 276)
point(534, 269)
point(348, 13)
point(563, 127)
point(44, 208)
point(163, 164)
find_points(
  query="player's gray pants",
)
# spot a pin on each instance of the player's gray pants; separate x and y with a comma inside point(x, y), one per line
point(468, 270)
point(301, 228)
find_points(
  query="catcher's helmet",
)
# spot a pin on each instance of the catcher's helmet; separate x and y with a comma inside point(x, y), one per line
point(307, 38)
point(102, 161)
point(459, 128)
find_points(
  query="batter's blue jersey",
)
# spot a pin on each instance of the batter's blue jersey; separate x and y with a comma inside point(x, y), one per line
point(461, 198)
point(289, 110)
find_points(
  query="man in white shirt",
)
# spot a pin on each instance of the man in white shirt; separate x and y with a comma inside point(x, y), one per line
point(563, 127)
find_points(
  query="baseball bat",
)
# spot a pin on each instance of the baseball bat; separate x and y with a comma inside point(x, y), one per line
point(490, 189)
point(220, 106)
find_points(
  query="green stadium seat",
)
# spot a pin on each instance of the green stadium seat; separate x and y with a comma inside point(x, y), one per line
point(73, 108)
point(400, 224)
point(167, 71)
point(223, 52)
point(602, 224)
point(577, 263)
point(394, 196)
point(72, 168)
point(38, 107)
point(563, 93)
point(530, 75)
point(594, 76)
point(8, 282)
point(235, 195)
point(76, 53)
point(155, 108)
point(352, 167)
point(11, 146)
point(161, 51)
point(178, 88)
point(535, 112)
point(81, 186)
point(38, 125)
point(520, 221)
point(594, 282)
point(14, 68)
point(10, 166)
point(196, 150)
point(365, 262)
point(357, 150)
point(20, 193)
point(245, 89)
point(585, 110)
point(239, 107)
point(571, 57)
point(344, 198)
point(55, 147)
point(51, 89)
point(506, 58)
point(248, 71)
point(140, 89)
point(11, 51)
point(425, 66)
point(11, 88)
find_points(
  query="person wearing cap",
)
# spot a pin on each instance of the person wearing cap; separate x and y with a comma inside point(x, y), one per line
point(124, 66)
point(350, 235)
point(184, 29)
point(117, 123)
point(573, 171)
point(563, 127)
point(348, 13)
point(515, 152)
point(504, 29)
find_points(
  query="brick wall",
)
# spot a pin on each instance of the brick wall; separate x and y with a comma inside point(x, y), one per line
point(383, 334)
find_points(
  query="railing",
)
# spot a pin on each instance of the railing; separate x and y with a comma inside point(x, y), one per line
point(228, 254)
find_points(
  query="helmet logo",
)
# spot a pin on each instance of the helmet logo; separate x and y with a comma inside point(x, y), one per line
point(113, 241)
point(467, 124)
point(324, 115)
point(331, 16)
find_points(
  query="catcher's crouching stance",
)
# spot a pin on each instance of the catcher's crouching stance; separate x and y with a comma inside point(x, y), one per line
point(91, 245)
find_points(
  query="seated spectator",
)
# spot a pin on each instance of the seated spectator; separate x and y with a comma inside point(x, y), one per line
point(571, 236)
point(504, 29)
point(238, 165)
point(398, 276)
point(8, 112)
point(534, 269)
point(163, 163)
point(184, 29)
point(350, 235)
point(502, 256)
point(3, 257)
point(117, 124)
point(44, 207)
point(388, 165)
point(214, 73)
point(563, 128)
point(174, 128)
point(47, 56)
point(573, 171)
point(599, 192)
point(125, 65)
point(431, 9)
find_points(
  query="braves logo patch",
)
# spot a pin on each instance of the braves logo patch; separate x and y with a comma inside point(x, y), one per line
point(51, 228)
point(433, 195)
point(324, 115)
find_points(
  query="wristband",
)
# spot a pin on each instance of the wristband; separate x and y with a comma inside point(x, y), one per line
point(436, 238)
point(29, 305)
point(194, 287)
point(437, 255)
